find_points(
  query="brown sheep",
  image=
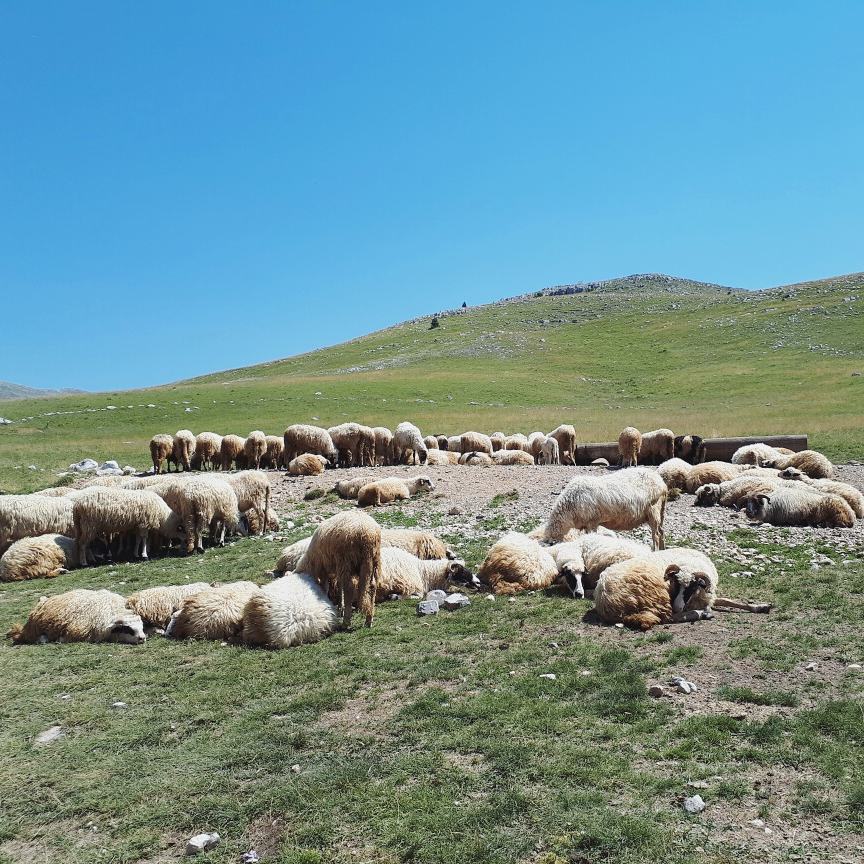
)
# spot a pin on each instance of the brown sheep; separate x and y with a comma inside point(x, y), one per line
point(183, 450)
point(232, 452)
point(254, 449)
point(307, 465)
point(629, 445)
point(161, 450)
point(213, 613)
point(517, 563)
point(392, 489)
point(656, 447)
point(565, 435)
point(208, 452)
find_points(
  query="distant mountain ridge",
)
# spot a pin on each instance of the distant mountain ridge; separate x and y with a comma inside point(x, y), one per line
point(8, 390)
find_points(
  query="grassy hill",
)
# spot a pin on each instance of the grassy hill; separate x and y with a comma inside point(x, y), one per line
point(645, 350)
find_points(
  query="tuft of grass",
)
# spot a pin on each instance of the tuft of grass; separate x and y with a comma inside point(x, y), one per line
point(749, 696)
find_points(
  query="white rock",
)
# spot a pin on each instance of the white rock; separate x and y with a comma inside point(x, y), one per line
point(427, 607)
point(84, 466)
point(437, 595)
point(758, 823)
point(455, 601)
point(250, 857)
point(119, 705)
point(854, 666)
point(52, 733)
point(550, 675)
point(490, 597)
point(5, 422)
point(295, 769)
point(201, 843)
point(811, 666)
point(694, 804)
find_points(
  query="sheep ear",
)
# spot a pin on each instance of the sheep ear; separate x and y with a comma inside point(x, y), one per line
point(671, 572)
point(765, 498)
point(701, 579)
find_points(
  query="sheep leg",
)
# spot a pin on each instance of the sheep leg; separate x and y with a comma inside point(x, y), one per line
point(641, 620)
point(142, 544)
point(83, 543)
point(347, 601)
point(742, 605)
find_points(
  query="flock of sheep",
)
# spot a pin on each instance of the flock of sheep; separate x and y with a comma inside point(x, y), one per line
point(351, 562)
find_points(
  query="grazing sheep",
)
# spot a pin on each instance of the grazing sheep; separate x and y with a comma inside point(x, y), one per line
point(550, 453)
point(678, 474)
point(849, 494)
point(622, 501)
point(366, 444)
point(690, 448)
point(643, 592)
point(161, 450)
point(629, 445)
point(580, 562)
point(431, 442)
point(292, 610)
point(565, 435)
point(657, 446)
point(482, 459)
point(291, 556)
point(454, 444)
point(81, 616)
point(275, 450)
point(208, 452)
point(442, 457)
point(512, 457)
point(253, 493)
point(183, 450)
point(56, 491)
point(355, 443)
point(233, 452)
point(808, 462)
point(442, 441)
point(733, 493)
point(155, 606)
point(422, 544)
point(215, 612)
point(383, 445)
point(756, 454)
point(392, 489)
point(344, 557)
point(33, 515)
point(103, 511)
point(307, 465)
point(408, 445)
point(253, 521)
point(350, 487)
point(41, 557)
point(517, 563)
point(302, 438)
point(802, 506)
point(497, 439)
point(535, 444)
point(404, 574)
point(254, 449)
point(516, 442)
point(475, 442)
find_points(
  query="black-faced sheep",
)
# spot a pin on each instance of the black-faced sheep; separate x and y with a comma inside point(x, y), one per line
point(307, 465)
point(302, 438)
point(33, 515)
point(785, 506)
point(161, 450)
point(155, 606)
point(629, 444)
point(580, 562)
point(38, 558)
point(690, 448)
point(208, 452)
point(849, 494)
point(404, 574)
point(255, 448)
point(733, 493)
point(183, 449)
point(408, 446)
point(213, 613)
point(565, 435)
point(232, 452)
point(517, 563)
point(809, 462)
point(81, 616)
point(391, 489)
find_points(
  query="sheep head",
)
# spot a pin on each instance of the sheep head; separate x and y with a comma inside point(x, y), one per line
point(458, 573)
point(757, 506)
point(128, 629)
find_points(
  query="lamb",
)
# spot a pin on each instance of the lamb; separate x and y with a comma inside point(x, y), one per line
point(232, 451)
point(475, 442)
point(421, 544)
point(404, 574)
point(622, 501)
point(155, 606)
point(41, 557)
point(213, 613)
point(849, 494)
point(255, 449)
point(392, 489)
point(274, 452)
point(629, 445)
point(302, 438)
point(183, 450)
point(33, 515)
point(512, 457)
point(408, 445)
point(350, 487)
point(291, 556)
point(161, 450)
point(809, 462)
point(690, 448)
point(497, 439)
point(344, 557)
point(756, 454)
point(678, 474)
point(580, 562)
point(253, 493)
point(208, 452)
point(383, 445)
point(565, 435)
point(100, 512)
point(81, 616)
point(292, 610)
point(550, 453)
point(657, 446)
point(307, 465)
point(516, 442)
point(786, 506)
point(517, 563)
point(431, 442)
point(482, 459)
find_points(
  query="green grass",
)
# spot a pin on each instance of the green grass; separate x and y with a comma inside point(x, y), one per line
point(633, 351)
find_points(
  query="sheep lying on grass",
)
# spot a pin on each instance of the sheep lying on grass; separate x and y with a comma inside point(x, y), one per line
point(81, 616)
point(307, 465)
point(517, 563)
point(32, 516)
point(580, 562)
point(291, 556)
point(785, 506)
point(213, 613)
point(392, 489)
point(351, 487)
point(406, 575)
point(808, 462)
point(629, 444)
point(733, 493)
point(41, 557)
point(155, 606)
point(517, 441)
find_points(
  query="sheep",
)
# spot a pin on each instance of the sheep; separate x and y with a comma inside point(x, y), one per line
point(733, 493)
point(629, 445)
point(443, 441)
point(213, 613)
point(33, 515)
point(344, 557)
point(253, 521)
point(291, 556)
point(408, 444)
point(755, 454)
point(254, 449)
point(232, 451)
point(41, 557)
point(678, 474)
point(657, 446)
point(497, 439)
point(56, 491)
point(517, 563)
point(404, 574)
point(580, 562)
point(550, 452)
point(516, 442)
point(155, 606)
point(512, 457)
point(475, 442)
point(101, 512)
point(302, 438)
point(350, 487)
point(161, 450)
point(431, 442)
point(535, 445)
point(274, 452)
point(392, 489)
point(787, 506)
point(643, 592)
point(422, 544)
point(253, 493)
point(690, 448)
point(442, 457)
point(208, 452)
point(621, 501)
point(482, 459)
point(355, 443)
point(565, 435)
point(292, 610)
point(383, 445)
point(809, 462)
point(849, 494)
point(454, 444)
point(183, 450)
point(81, 616)
point(307, 465)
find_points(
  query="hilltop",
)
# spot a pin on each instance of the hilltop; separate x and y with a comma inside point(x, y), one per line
point(651, 350)
point(8, 390)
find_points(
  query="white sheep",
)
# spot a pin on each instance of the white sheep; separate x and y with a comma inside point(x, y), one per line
point(405, 575)
point(475, 442)
point(408, 445)
point(733, 493)
point(678, 474)
point(757, 454)
point(518, 441)
point(183, 449)
point(302, 438)
point(809, 462)
point(291, 557)
point(255, 448)
point(481, 459)
point(848, 493)
point(350, 487)
point(801, 506)
point(216, 612)
point(454, 444)
point(307, 465)
point(535, 444)
point(512, 457)
point(580, 562)
point(274, 452)
point(517, 563)
point(253, 493)
point(550, 453)
point(41, 557)
point(565, 435)
point(391, 489)
point(656, 446)
point(155, 606)
point(383, 445)
point(442, 457)
point(629, 445)
point(33, 515)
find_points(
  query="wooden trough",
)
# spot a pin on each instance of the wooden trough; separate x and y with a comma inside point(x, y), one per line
point(715, 448)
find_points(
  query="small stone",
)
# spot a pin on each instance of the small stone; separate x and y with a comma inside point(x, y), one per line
point(553, 644)
point(295, 769)
point(456, 601)
point(684, 686)
point(489, 597)
point(512, 599)
point(201, 843)
point(694, 804)
point(49, 735)
point(427, 607)
point(854, 666)
point(67, 696)
point(656, 691)
point(454, 511)
point(601, 462)
point(620, 626)
point(698, 784)
point(250, 857)
point(119, 705)
point(551, 676)
point(757, 823)
point(585, 673)
point(437, 595)
point(811, 666)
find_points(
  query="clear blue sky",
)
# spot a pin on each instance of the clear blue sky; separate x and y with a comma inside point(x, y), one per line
point(187, 187)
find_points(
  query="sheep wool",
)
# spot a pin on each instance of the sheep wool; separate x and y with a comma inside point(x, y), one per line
point(183, 450)
point(161, 450)
point(155, 606)
point(208, 452)
point(565, 435)
point(232, 451)
point(255, 448)
point(629, 445)
point(404, 574)
point(392, 489)
point(291, 556)
point(32, 516)
point(212, 613)
point(41, 557)
point(408, 446)
point(422, 544)
point(789, 506)
point(517, 563)
point(307, 465)
point(512, 457)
